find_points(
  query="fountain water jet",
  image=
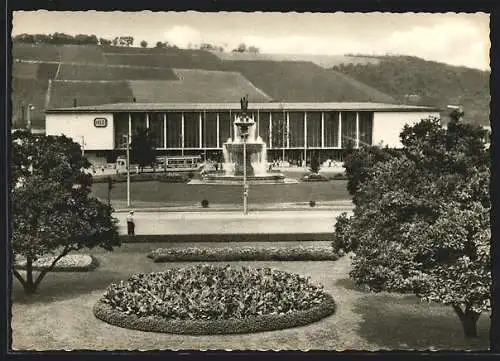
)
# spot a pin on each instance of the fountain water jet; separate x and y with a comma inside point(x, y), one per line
point(256, 154)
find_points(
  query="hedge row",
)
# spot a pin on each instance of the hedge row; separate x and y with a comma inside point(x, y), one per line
point(144, 177)
point(259, 323)
point(338, 176)
point(90, 266)
point(192, 254)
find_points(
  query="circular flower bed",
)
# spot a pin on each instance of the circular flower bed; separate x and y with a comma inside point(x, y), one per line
point(214, 299)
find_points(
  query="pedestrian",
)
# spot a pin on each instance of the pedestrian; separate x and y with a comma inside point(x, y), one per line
point(130, 224)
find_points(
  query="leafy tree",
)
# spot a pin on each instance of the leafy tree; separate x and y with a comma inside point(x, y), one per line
point(142, 148)
point(253, 49)
point(422, 220)
point(241, 48)
point(62, 38)
point(144, 44)
point(315, 166)
point(279, 134)
point(208, 46)
point(24, 38)
point(128, 40)
point(104, 42)
point(359, 162)
point(159, 44)
point(83, 39)
point(52, 210)
point(42, 38)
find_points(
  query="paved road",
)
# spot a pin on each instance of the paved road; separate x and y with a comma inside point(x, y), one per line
point(159, 223)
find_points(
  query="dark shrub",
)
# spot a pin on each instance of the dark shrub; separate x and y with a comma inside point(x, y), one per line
point(339, 176)
point(315, 166)
point(343, 242)
point(204, 203)
point(313, 177)
point(312, 203)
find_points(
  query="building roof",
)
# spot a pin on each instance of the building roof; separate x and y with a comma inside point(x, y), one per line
point(267, 106)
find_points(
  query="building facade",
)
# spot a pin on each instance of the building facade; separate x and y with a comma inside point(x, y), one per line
point(290, 130)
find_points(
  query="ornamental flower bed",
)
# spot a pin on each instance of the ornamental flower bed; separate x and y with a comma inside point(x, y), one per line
point(214, 299)
point(315, 177)
point(299, 253)
point(69, 263)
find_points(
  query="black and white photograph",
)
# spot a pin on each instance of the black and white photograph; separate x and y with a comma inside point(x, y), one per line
point(257, 181)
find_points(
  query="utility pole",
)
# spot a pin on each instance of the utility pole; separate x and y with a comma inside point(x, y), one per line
point(28, 123)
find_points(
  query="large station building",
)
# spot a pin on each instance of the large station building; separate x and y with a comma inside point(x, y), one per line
point(292, 129)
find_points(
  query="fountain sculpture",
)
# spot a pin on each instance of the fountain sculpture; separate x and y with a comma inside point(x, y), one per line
point(244, 137)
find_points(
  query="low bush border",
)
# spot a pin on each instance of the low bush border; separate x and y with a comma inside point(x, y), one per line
point(243, 254)
point(314, 177)
point(90, 267)
point(143, 177)
point(260, 323)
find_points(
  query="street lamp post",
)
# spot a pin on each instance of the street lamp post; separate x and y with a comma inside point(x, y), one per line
point(245, 185)
point(243, 125)
point(28, 123)
point(128, 168)
point(283, 133)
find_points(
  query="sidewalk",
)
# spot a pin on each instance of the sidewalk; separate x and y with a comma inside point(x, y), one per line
point(231, 223)
point(121, 207)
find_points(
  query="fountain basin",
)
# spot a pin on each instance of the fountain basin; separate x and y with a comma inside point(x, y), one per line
point(238, 179)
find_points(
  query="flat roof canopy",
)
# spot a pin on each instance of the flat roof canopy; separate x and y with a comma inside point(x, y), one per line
point(270, 106)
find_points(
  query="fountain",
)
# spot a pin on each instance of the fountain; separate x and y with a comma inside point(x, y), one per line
point(256, 155)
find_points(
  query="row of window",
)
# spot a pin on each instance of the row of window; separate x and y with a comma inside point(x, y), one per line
point(277, 129)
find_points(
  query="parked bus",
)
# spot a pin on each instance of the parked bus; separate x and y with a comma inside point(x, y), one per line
point(167, 163)
point(180, 163)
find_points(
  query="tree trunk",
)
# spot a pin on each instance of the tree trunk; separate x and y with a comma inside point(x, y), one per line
point(469, 323)
point(469, 319)
point(29, 286)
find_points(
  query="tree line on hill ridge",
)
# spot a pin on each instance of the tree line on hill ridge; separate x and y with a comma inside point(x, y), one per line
point(125, 41)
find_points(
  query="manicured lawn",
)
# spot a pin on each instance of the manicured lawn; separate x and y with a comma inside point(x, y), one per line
point(60, 315)
point(180, 193)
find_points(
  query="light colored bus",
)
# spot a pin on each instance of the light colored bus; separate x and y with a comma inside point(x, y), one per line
point(180, 163)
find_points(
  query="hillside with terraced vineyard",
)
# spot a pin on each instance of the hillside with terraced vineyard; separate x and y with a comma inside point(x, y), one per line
point(50, 76)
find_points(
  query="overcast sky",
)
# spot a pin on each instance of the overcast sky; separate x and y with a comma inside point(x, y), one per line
point(457, 39)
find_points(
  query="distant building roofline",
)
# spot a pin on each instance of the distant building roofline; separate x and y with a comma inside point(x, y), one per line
point(266, 106)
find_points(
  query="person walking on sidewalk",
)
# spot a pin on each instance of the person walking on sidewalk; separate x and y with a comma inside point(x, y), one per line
point(130, 224)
